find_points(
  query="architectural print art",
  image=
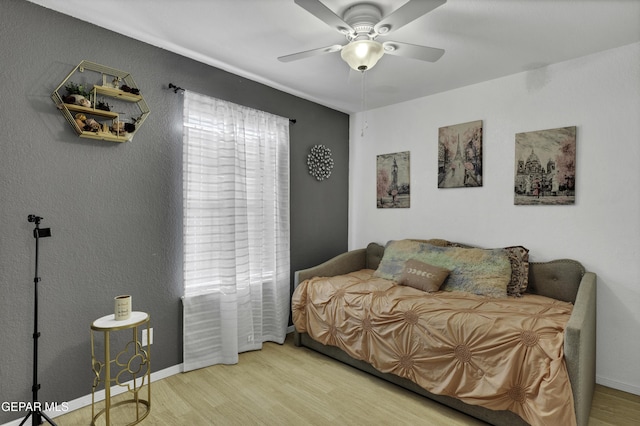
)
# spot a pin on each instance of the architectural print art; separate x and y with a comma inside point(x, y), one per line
point(545, 168)
point(460, 155)
point(392, 180)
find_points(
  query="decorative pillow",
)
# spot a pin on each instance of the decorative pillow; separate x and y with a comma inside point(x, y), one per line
point(422, 276)
point(519, 259)
point(474, 270)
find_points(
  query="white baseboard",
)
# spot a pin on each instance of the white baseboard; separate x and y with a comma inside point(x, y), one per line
point(625, 387)
point(85, 401)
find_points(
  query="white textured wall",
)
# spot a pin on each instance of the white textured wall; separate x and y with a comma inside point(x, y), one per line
point(600, 94)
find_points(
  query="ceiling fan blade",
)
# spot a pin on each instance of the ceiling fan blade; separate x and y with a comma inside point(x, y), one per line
point(309, 53)
point(411, 10)
point(423, 53)
point(326, 15)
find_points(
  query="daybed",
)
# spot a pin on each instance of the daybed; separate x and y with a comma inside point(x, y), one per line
point(539, 368)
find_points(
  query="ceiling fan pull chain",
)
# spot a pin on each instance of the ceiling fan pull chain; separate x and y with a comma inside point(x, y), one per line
point(365, 124)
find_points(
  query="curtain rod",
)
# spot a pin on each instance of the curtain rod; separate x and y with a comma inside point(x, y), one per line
point(176, 89)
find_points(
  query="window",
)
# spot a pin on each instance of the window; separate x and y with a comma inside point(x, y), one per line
point(236, 229)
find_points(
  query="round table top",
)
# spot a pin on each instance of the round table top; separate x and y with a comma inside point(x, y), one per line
point(109, 323)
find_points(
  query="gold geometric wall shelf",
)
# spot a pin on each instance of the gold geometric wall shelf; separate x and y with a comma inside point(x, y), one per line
point(101, 102)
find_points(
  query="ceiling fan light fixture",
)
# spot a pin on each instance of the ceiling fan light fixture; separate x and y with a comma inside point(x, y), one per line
point(362, 55)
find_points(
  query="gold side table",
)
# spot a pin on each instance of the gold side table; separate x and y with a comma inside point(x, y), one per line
point(132, 366)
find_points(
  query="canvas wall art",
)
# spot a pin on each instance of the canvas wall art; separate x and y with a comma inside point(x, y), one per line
point(545, 167)
point(460, 155)
point(392, 180)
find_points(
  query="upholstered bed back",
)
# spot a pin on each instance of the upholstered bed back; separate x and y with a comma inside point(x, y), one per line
point(374, 255)
point(558, 279)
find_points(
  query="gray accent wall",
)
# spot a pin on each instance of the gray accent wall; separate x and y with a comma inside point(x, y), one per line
point(115, 210)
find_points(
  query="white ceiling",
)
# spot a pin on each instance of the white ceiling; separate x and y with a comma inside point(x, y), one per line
point(483, 39)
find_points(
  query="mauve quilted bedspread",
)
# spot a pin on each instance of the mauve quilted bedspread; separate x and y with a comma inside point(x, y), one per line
point(503, 354)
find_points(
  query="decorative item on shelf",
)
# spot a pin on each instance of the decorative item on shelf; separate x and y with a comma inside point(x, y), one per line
point(128, 89)
point(76, 89)
point(77, 95)
point(104, 106)
point(80, 120)
point(319, 162)
point(122, 307)
point(85, 108)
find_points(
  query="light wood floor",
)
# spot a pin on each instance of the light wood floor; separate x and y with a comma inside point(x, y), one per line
point(286, 385)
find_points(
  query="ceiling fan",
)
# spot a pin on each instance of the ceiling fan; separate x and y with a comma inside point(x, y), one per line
point(362, 23)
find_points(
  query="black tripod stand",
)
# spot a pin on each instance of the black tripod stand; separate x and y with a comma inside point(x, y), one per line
point(36, 413)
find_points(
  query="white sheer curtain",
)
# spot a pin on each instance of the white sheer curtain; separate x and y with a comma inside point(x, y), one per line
point(236, 230)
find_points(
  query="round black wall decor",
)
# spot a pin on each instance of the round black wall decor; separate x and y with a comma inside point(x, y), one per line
point(320, 162)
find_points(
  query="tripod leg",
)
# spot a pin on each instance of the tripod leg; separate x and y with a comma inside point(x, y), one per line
point(36, 418)
point(25, 419)
point(51, 422)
